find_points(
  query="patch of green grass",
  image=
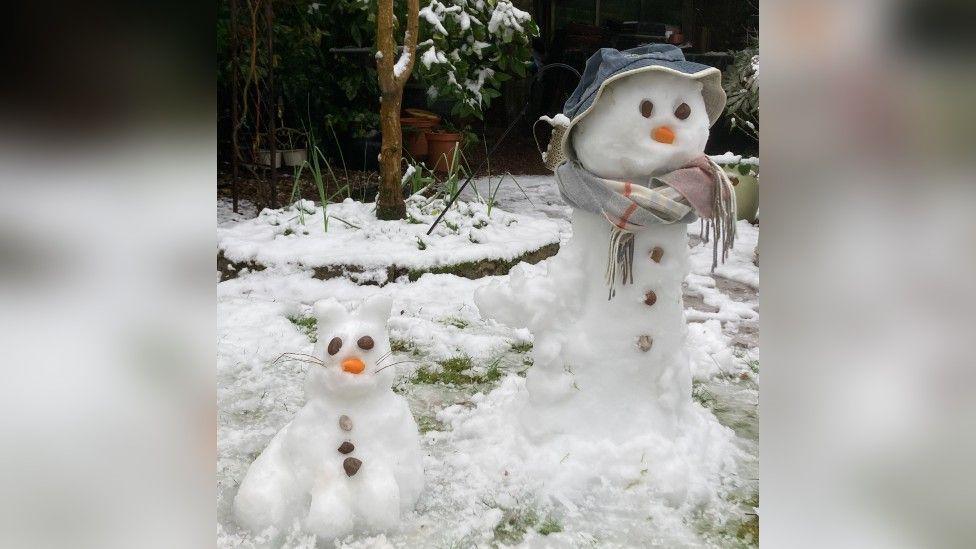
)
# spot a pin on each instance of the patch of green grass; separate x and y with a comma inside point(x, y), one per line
point(742, 531)
point(457, 322)
point(754, 366)
point(522, 346)
point(429, 423)
point(494, 373)
point(702, 395)
point(748, 531)
point(457, 370)
point(405, 346)
point(307, 324)
point(550, 526)
point(514, 524)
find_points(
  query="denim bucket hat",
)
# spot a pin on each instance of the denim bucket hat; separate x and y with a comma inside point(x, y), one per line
point(609, 65)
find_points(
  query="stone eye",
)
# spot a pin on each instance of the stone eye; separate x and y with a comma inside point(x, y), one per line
point(646, 108)
point(365, 343)
point(335, 345)
point(683, 111)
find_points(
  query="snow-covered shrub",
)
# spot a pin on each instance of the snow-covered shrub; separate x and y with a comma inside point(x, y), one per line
point(742, 87)
point(471, 47)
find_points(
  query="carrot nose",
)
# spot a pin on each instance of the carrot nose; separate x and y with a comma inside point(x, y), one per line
point(663, 134)
point(353, 366)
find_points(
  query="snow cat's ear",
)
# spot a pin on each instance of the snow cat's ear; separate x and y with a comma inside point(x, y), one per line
point(376, 309)
point(328, 312)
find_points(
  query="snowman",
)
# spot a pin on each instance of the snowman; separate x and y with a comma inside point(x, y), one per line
point(350, 460)
point(608, 320)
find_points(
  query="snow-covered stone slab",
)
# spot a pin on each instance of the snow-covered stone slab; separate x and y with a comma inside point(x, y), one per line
point(471, 241)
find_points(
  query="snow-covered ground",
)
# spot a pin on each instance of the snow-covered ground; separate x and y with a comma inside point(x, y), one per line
point(438, 331)
point(469, 232)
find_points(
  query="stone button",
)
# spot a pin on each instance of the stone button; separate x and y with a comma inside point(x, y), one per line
point(656, 254)
point(346, 447)
point(644, 343)
point(345, 423)
point(650, 298)
point(351, 466)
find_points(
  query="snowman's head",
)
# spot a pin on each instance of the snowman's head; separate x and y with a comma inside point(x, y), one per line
point(354, 348)
point(642, 125)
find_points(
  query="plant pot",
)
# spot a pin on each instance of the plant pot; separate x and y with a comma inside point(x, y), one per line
point(421, 113)
point(440, 150)
point(264, 157)
point(294, 157)
point(414, 130)
point(746, 194)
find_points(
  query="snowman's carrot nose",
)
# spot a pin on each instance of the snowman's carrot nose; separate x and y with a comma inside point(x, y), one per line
point(663, 134)
point(353, 366)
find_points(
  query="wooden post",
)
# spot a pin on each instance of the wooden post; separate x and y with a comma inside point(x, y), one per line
point(689, 23)
point(235, 68)
point(272, 110)
point(389, 203)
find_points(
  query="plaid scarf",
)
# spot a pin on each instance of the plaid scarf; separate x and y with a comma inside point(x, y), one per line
point(699, 189)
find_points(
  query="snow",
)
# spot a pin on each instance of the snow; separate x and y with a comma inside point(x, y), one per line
point(225, 212)
point(478, 45)
point(474, 86)
point(732, 159)
point(506, 20)
point(355, 237)
point(432, 14)
point(432, 57)
point(559, 119)
point(479, 478)
point(403, 61)
point(408, 173)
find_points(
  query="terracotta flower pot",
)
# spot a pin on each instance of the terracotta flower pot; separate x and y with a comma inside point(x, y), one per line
point(440, 149)
point(420, 113)
point(414, 130)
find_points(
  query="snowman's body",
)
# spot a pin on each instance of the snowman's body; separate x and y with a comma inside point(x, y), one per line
point(305, 473)
point(613, 368)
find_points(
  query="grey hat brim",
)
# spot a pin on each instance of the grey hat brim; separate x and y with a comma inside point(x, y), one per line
point(712, 92)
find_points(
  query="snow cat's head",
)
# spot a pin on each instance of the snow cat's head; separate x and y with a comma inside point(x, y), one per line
point(354, 349)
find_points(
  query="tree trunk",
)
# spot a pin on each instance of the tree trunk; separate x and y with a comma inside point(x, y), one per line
point(389, 204)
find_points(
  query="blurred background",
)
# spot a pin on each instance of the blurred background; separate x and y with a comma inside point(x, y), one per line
point(111, 120)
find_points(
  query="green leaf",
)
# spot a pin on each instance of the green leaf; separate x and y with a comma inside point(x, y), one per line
point(519, 68)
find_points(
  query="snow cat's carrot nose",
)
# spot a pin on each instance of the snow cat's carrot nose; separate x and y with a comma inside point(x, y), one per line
point(663, 134)
point(353, 366)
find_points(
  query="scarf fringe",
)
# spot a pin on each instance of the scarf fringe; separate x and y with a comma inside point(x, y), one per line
point(719, 228)
point(724, 214)
point(620, 257)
